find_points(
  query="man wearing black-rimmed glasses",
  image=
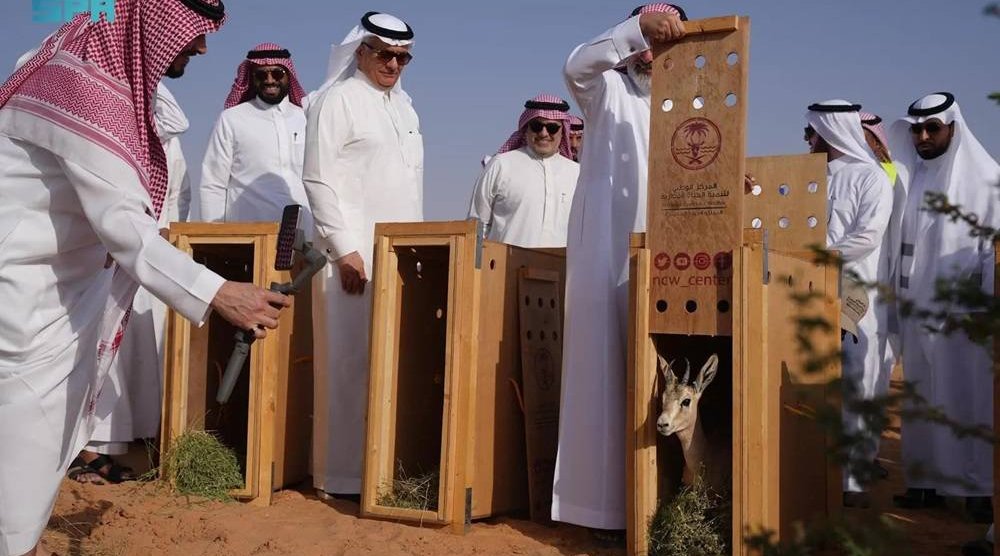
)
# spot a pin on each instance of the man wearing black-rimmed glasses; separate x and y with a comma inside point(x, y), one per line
point(253, 165)
point(364, 163)
point(525, 192)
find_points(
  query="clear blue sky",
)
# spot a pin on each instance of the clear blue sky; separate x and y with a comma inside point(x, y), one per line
point(476, 62)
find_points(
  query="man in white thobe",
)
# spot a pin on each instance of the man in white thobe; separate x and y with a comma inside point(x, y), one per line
point(130, 401)
point(610, 79)
point(253, 165)
point(364, 163)
point(525, 192)
point(859, 205)
point(936, 152)
point(80, 188)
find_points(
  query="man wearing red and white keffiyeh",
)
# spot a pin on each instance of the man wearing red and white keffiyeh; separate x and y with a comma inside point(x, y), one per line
point(576, 136)
point(82, 180)
point(253, 165)
point(525, 192)
point(609, 77)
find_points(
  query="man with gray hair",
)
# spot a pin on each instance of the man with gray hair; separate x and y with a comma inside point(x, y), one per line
point(364, 163)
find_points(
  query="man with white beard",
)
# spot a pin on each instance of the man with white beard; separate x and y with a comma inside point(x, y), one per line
point(936, 152)
point(364, 163)
point(859, 207)
point(525, 192)
point(610, 78)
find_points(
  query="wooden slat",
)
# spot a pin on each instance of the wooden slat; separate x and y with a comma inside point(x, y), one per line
point(695, 190)
point(455, 227)
point(641, 469)
point(223, 230)
point(712, 25)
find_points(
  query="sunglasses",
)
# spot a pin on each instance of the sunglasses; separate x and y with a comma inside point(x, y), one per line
point(385, 56)
point(277, 74)
point(932, 128)
point(552, 127)
point(809, 131)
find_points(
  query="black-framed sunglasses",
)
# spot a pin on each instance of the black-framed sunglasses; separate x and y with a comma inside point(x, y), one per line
point(385, 56)
point(536, 126)
point(809, 132)
point(276, 73)
point(932, 128)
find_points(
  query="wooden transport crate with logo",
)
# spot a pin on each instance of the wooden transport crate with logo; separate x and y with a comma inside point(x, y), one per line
point(715, 274)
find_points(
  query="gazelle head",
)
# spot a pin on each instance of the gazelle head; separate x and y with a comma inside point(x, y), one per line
point(679, 400)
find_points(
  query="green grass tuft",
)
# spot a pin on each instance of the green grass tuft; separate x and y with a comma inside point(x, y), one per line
point(696, 522)
point(197, 464)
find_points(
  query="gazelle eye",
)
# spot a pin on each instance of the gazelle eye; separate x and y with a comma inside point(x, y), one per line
point(686, 402)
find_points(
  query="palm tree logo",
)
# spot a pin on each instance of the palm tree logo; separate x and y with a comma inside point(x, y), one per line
point(696, 143)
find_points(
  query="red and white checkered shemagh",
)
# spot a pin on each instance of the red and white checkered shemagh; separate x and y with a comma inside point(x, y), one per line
point(243, 91)
point(516, 140)
point(658, 7)
point(873, 123)
point(96, 81)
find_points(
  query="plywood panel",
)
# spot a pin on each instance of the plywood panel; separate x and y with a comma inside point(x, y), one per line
point(788, 200)
point(540, 311)
point(696, 168)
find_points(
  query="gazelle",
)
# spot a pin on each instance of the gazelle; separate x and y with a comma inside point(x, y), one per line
point(679, 415)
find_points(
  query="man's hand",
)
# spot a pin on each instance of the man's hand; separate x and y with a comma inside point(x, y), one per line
point(352, 273)
point(249, 307)
point(661, 27)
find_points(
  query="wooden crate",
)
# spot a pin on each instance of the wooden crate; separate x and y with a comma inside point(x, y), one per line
point(267, 420)
point(715, 273)
point(445, 360)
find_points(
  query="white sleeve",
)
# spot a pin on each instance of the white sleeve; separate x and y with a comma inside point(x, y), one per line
point(871, 220)
point(484, 195)
point(327, 177)
point(216, 169)
point(117, 213)
point(584, 70)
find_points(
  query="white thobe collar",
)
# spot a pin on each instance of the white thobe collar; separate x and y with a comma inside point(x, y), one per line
point(281, 107)
point(360, 75)
point(534, 156)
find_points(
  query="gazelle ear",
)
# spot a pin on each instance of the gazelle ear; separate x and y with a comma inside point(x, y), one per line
point(707, 373)
point(668, 375)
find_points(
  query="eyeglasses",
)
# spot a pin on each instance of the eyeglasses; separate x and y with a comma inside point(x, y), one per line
point(809, 131)
point(385, 56)
point(277, 74)
point(536, 126)
point(932, 128)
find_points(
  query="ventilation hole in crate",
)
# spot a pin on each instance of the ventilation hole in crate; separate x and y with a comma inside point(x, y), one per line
point(756, 223)
point(691, 306)
point(731, 100)
point(661, 306)
point(791, 281)
point(813, 187)
point(555, 335)
point(528, 334)
point(698, 102)
point(541, 303)
point(667, 105)
point(768, 275)
point(699, 61)
point(552, 303)
point(732, 59)
point(493, 264)
point(756, 189)
point(784, 190)
point(810, 286)
point(527, 301)
point(542, 335)
point(723, 306)
point(812, 222)
point(420, 267)
point(668, 63)
point(783, 222)
point(439, 313)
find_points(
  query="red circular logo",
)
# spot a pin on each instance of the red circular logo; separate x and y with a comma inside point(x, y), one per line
point(696, 143)
point(682, 261)
point(702, 261)
point(723, 260)
point(661, 261)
